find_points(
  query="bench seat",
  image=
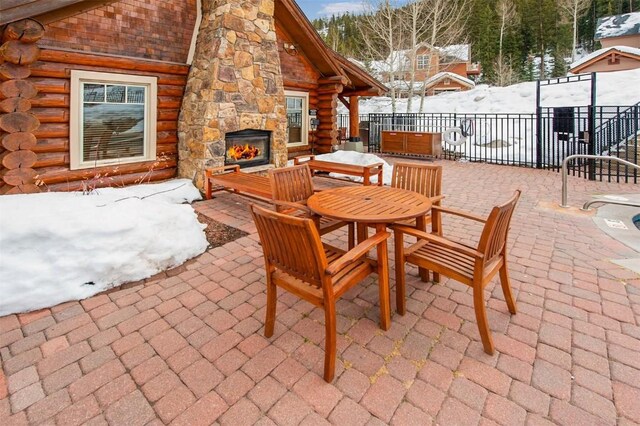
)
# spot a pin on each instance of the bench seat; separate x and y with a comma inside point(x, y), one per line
point(230, 178)
point(346, 169)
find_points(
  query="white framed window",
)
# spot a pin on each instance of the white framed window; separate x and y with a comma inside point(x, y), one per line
point(297, 104)
point(113, 119)
point(422, 61)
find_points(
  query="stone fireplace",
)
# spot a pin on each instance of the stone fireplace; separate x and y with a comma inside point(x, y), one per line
point(234, 84)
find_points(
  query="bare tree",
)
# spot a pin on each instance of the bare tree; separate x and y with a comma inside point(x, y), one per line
point(383, 40)
point(508, 16)
point(505, 74)
point(414, 20)
point(574, 9)
point(445, 21)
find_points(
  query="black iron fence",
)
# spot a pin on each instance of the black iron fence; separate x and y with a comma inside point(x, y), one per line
point(514, 139)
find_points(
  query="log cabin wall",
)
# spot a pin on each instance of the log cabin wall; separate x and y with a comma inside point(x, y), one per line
point(51, 76)
point(299, 75)
point(115, 38)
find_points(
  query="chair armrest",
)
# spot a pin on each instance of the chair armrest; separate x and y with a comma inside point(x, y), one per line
point(296, 160)
point(436, 239)
point(435, 200)
point(212, 170)
point(357, 252)
point(292, 206)
point(459, 213)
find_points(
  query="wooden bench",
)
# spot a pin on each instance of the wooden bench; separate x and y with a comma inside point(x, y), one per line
point(346, 169)
point(230, 178)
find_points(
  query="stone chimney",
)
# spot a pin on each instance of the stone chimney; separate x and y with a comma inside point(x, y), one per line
point(235, 83)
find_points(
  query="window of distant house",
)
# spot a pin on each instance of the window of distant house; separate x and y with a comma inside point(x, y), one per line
point(423, 62)
point(113, 119)
point(297, 117)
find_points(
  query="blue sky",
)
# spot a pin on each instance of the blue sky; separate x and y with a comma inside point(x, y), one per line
point(315, 9)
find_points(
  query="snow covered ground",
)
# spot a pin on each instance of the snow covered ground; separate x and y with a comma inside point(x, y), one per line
point(56, 246)
point(503, 136)
point(613, 88)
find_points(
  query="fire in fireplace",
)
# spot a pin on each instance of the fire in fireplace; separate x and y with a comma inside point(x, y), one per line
point(247, 147)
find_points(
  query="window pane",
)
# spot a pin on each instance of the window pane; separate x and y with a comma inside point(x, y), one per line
point(93, 92)
point(112, 131)
point(135, 94)
point(295, 117)
point(116, 94)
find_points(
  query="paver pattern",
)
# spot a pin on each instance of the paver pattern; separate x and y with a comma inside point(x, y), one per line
point(187, 348)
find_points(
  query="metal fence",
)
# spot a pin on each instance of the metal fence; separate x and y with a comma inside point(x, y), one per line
point(514, 139)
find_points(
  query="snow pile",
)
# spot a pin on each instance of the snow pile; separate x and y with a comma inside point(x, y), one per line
point(356, 158)
point(59, 246)
point(518, 98)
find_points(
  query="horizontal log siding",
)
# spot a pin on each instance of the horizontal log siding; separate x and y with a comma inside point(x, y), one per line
point(51, 75)
point(298, 74)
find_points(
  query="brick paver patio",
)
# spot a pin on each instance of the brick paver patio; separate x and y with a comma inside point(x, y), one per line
point(186, 347)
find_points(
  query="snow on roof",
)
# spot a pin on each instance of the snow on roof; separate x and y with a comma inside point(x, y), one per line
point(618, 25)
point(456, 51)
point(600, 52)
point(441, 75)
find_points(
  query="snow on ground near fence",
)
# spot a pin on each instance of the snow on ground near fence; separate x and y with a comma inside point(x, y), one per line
point(60, 246)
point(613, 88)
point(359, 159)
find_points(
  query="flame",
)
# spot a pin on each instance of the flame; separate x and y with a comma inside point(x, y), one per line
point(243, 152)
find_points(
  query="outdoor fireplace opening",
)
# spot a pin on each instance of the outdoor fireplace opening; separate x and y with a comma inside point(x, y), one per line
point(247, 148)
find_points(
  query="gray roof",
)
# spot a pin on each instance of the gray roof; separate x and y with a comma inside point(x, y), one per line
point(618, 25)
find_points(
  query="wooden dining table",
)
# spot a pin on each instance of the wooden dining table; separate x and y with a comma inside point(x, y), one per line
point(376, 206)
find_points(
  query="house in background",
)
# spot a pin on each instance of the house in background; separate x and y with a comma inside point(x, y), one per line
point(437, 69)
point(619, 36)
point(115, 92)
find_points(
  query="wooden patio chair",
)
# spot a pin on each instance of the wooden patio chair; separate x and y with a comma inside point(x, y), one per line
point(474, 267)
point(298, 262)
point(425, 179)
point(295, 185)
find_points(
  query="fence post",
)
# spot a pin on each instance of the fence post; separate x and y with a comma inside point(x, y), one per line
point(538, 128)
point(591, 147)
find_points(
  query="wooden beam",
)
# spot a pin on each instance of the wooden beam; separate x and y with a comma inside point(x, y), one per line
point(354, 119)
point(344, 101)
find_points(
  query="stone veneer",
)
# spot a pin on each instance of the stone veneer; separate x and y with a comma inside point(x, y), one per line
point(235, 83)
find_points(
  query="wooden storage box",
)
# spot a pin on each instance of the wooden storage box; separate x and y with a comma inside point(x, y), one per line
point(414, 143)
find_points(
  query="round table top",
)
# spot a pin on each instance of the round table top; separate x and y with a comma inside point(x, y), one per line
point(369, 204)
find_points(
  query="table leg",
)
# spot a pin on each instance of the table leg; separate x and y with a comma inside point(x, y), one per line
point(383, 280)
point(421, 224)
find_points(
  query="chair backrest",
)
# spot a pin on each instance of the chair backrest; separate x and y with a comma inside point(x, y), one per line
point(291, 244)
point(425, 179)
point(496, 229)
point(292, 184)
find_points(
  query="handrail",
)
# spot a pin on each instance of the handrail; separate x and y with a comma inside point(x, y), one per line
point(586, 205)
point(565, 162)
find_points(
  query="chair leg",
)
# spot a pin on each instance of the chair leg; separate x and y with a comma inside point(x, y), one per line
point(330, 340)
point(272, 293)
point(351, 235)
point(481, 318)
point(421, 225)
point(400, 279)
point(506, 288)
